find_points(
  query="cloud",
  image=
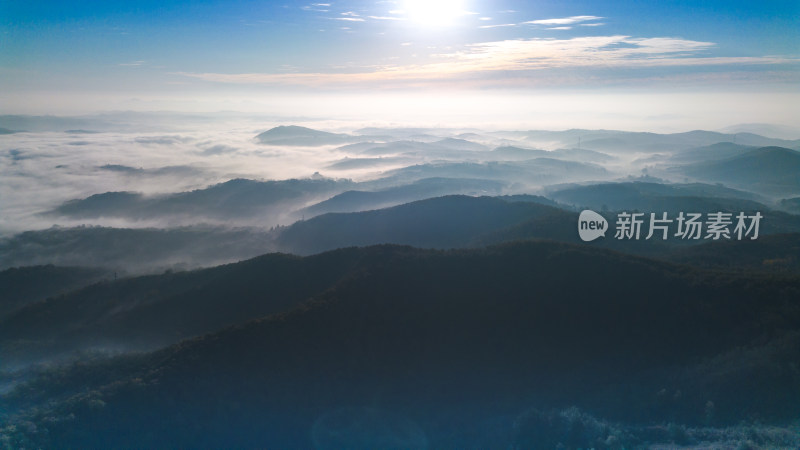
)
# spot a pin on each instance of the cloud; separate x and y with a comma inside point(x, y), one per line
point(201, 153)
point(160, 140)
point(518, 55)
point(385, 18)
point(499, 25)
point(219, 149)
point(350, 19)
point(564, 20)
point(317, 7)
point(560, 28)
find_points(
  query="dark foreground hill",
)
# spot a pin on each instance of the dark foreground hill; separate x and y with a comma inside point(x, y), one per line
point(20, 286)
point(153, 311)
point(455, 349)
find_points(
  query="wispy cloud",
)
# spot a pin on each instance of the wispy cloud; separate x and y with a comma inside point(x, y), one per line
point(349, 19)
point(499, 25)
point(518, 55)
point(564, 20)
point(132, 64)
point(385, 18)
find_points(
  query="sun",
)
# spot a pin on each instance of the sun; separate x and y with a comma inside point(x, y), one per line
point(435, 13)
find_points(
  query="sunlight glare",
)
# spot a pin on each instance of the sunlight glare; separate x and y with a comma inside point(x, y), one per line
point(434, 12)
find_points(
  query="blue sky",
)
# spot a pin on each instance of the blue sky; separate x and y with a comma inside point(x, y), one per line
point(168, 48)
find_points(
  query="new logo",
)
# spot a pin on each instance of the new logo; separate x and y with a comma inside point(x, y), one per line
point(591, 225)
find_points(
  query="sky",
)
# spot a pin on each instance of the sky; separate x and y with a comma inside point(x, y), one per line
point(600, 62)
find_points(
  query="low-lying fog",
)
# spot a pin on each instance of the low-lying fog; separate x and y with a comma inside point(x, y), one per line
point(251, 173)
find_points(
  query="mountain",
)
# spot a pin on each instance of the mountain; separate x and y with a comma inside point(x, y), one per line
point(25, 285)
point(656, 197)
point(536, 171)
point(460, 144)
point(511, 153)
point(764, 129)
point(401, 133)
point(718, 151)
point(133, 250)
point(769, 170)
point(582, 155)
point(791, 204)
point(293, 135)
point(353, 201)
point(433, 349)
point(612, 141)
point(443, 222)
point(366, 163)
point(777, 253)
point(445, 148)
point(152, 311)
point(234, 199)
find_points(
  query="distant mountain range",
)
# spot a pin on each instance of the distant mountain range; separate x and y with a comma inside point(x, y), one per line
point(444, 222)
point(644, 196)
point(237, 198)
point(439, 297)
point(771, 170)
point(438, 222)
point(293, 135)
point(623, 141)
point(354, 201)
point(713, 152)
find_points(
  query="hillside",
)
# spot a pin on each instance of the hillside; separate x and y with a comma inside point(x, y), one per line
point(234, 199)
point(443, 222)
point(152, 311)
point(353, 201)
point(656, 197)
point(293, 135)
point(432, 349)
point(771, 170)
point(24, 285)
point(128, 250)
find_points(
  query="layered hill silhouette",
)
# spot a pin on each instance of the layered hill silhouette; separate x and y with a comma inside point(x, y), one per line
point(129, 250)
point(293, 135)
point(439, 222)
point(771, 170)
point(713, 152)
point(629, 142)
point(434, 349)
point(353, 201)
point(238, 198)
point(157, 310)
point(656, 197)
point(536, 171)
point(24, 285)
point(443, 222)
